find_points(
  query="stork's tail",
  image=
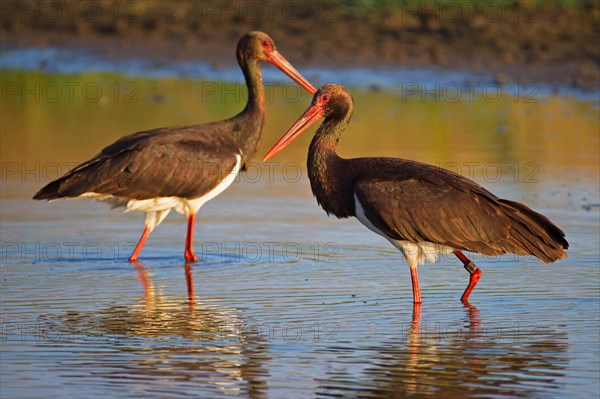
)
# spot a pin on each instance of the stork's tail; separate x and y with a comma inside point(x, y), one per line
point(534, 233)
point(50, 191)
point(71, 185)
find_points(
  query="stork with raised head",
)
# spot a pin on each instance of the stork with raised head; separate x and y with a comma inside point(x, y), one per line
point(423, 210)
point(179, 168)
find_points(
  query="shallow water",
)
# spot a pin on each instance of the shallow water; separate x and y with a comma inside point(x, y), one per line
point(286, 302)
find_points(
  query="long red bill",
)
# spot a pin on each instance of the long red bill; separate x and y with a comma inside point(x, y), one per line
point(280, 62)
point(310, 116)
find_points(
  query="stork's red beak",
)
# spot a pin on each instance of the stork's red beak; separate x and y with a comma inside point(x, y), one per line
point(280, 62)
point(310, 116)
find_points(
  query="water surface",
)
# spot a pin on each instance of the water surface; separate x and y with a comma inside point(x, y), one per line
point(286, 302)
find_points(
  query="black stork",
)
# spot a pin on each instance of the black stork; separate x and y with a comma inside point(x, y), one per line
point(179, 168)
point(423, 210)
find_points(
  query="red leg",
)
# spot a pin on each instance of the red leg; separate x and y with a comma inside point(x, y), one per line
point(189, 240)
point(475, 275)
point(138, 248)
point(415, 284)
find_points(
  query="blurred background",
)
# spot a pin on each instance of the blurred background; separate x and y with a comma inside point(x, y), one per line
point(522, 40)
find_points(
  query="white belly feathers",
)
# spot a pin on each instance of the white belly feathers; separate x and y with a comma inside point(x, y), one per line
point(158, 208)
point(415, 253)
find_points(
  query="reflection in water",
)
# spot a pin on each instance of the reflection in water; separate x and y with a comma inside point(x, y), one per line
point(159, 341)
point(463, 363)
point(195, 342)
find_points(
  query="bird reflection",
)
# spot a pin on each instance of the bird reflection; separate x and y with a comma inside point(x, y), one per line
point(143, 276)
point(168, 337)
point(473, 320)
point(461, 360)
point(189, 279)
point(144, 279)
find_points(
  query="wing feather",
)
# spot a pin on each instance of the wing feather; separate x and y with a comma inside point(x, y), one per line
point(416, 202)
point(156, 163)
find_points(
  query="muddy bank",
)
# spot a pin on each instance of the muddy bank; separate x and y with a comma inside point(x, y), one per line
point(554, 43)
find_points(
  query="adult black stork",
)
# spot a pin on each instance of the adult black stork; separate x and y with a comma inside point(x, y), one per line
point(179, 168)
point(421, 209)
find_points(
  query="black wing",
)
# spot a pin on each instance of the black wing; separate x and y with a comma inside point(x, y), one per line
point(185, 162)
point(417, 202)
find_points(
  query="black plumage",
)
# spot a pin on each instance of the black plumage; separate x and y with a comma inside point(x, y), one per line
point(183, 162)
point(179, 168)
point(417, 202)
point(415, 205)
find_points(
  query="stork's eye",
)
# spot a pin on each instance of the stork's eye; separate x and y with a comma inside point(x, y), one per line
point(266, 43)
point(325, 98)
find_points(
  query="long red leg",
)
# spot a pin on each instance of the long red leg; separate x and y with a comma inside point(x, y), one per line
point(138, 248)
point(189, 240)
point(415, 284)
point(474, 272)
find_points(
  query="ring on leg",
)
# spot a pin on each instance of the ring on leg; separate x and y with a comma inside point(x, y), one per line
point(474, 275)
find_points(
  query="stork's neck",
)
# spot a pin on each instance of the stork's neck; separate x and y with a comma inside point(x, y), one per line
point(251, 120)
point(254, 83)
point(330, 175)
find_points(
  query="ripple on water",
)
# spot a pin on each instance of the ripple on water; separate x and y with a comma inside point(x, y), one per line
point(329, 316)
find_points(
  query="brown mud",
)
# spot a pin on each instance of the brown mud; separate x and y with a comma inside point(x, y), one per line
point(552, 42)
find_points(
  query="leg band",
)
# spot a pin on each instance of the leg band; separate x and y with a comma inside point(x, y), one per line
point(470, 267)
